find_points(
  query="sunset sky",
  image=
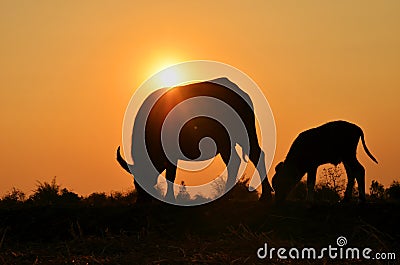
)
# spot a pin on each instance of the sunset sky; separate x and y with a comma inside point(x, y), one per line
point(69, 68)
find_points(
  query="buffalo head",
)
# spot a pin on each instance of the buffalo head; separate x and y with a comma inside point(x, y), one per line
point(285, 178)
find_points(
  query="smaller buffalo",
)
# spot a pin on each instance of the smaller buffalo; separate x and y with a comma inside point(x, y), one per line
point(333, 142)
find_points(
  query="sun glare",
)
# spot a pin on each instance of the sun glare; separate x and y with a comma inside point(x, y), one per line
point(169, 77)
point(166, 75)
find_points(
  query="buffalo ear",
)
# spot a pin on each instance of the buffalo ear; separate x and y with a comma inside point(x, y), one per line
point(279, 167)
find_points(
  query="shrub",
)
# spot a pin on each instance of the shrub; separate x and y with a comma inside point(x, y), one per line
point(51, 194)
point(299, 192)
point(376, 190)
point(393, 192)
point(13, 198)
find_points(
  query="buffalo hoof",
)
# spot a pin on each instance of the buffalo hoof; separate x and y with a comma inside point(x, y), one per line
point(362, 202)
point(266, 196)
point(279, 202)
point(346, 199)
point(310, 205)
point(144, 198)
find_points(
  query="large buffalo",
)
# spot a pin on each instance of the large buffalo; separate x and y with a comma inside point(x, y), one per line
point(333, 142)
point(216, 109)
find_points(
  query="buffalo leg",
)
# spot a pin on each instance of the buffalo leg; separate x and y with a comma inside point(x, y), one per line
point(349, 189)
point(257, 156)
point(350, 181)
point(360, 177)
point(356, 171)
point(170, 176)
point(311, 178)
point(142, 195)
point(232, 162)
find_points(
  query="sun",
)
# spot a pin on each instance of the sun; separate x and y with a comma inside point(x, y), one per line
point(170, 77)
point(166, 71)
point(162, 68)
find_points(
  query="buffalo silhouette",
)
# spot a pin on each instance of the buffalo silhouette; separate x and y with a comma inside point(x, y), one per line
point(333, 142)
point(216, 110)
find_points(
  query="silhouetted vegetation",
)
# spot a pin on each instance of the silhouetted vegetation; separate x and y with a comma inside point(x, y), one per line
point(47, 194)
point(332, 180)
point(239, 192)
point(376, 191)
point(329, 189)
point(183, 194)
point(56, 226)
point(13, 198)
point(393, 192)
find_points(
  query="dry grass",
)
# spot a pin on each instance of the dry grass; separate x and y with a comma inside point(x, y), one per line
point(223, 232)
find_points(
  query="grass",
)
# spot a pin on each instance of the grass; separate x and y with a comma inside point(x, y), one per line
point(222, 232)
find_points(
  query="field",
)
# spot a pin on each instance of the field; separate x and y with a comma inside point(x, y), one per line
point(222, 232)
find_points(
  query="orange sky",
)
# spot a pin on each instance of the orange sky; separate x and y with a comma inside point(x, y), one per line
point(69, 68)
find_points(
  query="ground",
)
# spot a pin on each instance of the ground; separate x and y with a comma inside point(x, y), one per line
point(221, 232)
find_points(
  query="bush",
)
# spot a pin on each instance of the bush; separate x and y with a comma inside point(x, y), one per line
point(69, 197)
point(240, 192)
point(46, 193)
point(376, 191)
point(51, 194)
point(393, 192)
point(13, 198)
point(97, 199)
point(326, 194)
point(183, 195)
point(299, 192)
point(322, 192)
